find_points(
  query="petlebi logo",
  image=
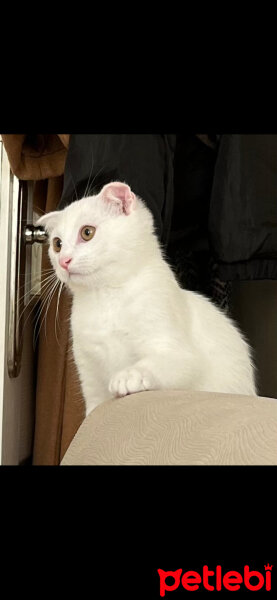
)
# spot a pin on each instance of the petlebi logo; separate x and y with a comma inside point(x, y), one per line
point(216, 580)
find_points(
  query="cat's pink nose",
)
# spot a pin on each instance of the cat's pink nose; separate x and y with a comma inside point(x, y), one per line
point(65, 262)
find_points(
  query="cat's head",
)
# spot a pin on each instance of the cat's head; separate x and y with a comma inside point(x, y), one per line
point(99, 239)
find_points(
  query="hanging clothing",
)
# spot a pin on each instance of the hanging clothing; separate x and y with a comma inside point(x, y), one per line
point(243, 208)
point(189, 249)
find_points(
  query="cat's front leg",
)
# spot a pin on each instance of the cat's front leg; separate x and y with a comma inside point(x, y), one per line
point(131, 380)
point(160, 371)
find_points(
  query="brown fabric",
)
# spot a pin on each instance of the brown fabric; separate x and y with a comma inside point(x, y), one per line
point(59, 402)
point(39, 156)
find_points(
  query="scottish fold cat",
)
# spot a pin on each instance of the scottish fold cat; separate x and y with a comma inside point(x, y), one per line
point(133, 327)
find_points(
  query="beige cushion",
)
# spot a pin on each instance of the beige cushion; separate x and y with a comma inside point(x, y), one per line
point(178, 428)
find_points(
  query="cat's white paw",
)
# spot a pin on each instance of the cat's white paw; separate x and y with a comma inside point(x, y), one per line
point(130, 381)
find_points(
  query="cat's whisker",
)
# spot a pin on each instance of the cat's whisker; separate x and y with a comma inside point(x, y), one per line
point(38, 318)
point(43, 285)
point(44, 299)
point(41, 210)
point(89, 188)
point(48, 305)
point(47, 301)
point(48, 283)
point(73, 184)
point(34, 287)
point(28, 281)
point(57, 313)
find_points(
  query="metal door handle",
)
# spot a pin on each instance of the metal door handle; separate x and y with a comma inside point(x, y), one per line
point(35, 234)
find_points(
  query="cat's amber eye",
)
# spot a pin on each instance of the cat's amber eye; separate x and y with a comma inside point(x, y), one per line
point(88, 232)
point(57, 244)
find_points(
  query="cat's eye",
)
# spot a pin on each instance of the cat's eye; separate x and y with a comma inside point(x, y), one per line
point(57, 244)
point(87, 232)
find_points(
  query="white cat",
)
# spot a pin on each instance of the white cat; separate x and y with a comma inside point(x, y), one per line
point(133, 327)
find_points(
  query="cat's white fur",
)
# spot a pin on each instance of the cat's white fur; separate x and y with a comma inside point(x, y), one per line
point(133, 327)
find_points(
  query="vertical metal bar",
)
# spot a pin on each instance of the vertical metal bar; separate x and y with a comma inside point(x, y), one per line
point(18, 208)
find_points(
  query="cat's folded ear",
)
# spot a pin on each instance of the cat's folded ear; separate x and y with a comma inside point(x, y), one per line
point(48, 221)
point(119, 196)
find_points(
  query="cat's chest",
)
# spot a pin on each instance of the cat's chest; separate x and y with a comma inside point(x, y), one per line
point(103, 333)
point(101, 316)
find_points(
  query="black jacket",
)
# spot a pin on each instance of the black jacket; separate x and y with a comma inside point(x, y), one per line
point(216, 200)
point(243, 207)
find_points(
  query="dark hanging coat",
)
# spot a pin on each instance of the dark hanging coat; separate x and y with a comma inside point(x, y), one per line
point(218, 197)
point(243, 207)
point(214, 198)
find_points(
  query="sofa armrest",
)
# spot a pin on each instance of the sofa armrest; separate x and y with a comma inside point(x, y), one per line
point(178, 428)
